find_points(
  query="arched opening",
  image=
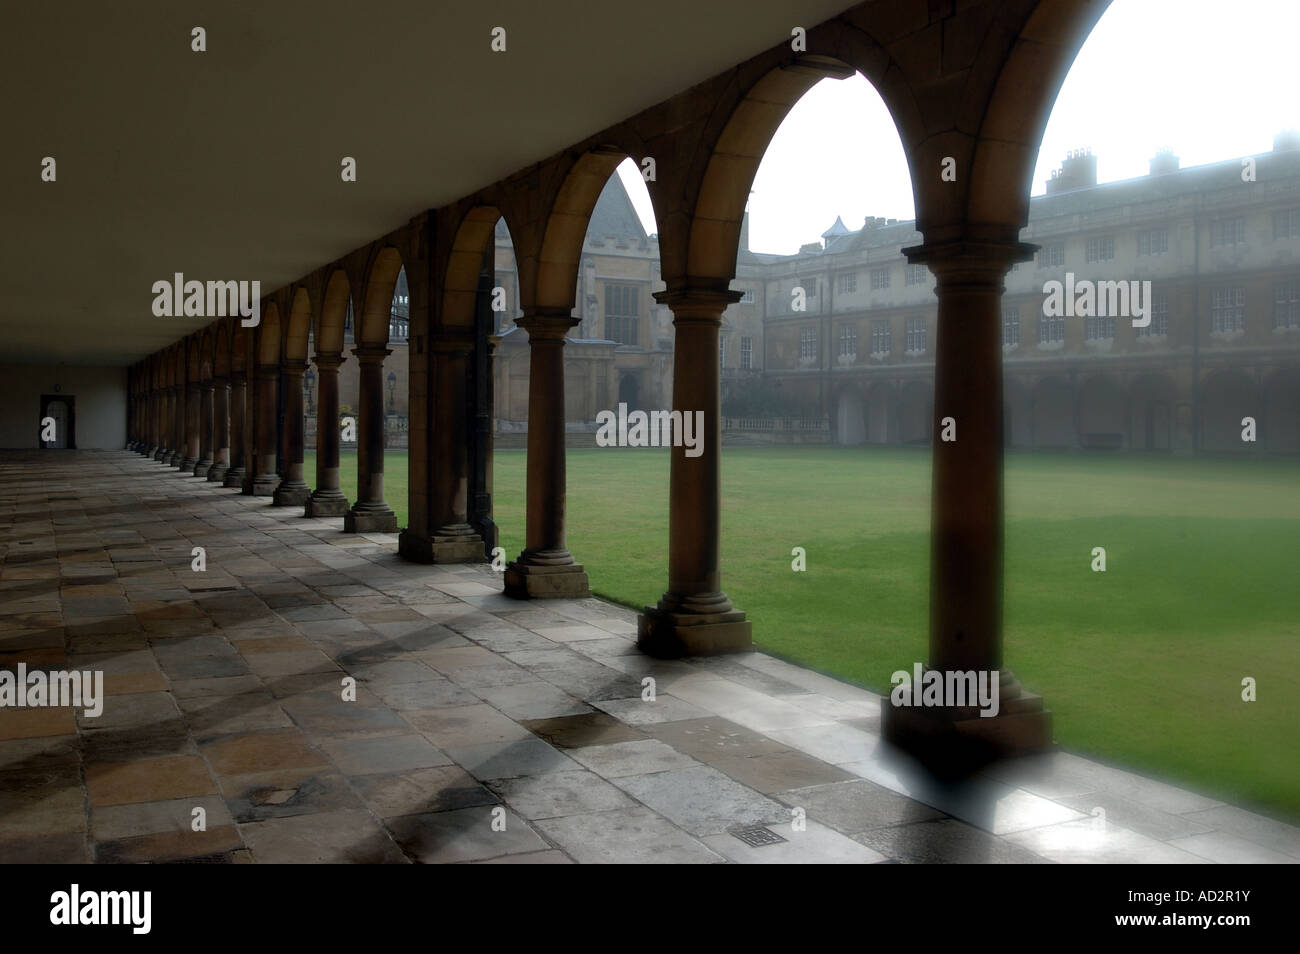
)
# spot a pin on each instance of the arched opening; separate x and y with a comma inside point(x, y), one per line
point(1102, 413)
point(1052, 414)
point(1152, 399)
point(1282, 412)
point(1227, 398)
point(851, 419)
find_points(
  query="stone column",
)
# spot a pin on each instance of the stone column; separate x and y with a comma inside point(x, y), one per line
point(546, 568)
point(293, 490)
point(694, 616)
point(151, 422)
point(178, 426)
point(450, 539)
point(327, 500)
point(238, 425)
point(370, 514)
point(165, 429)
point(221, 430)
point(966, 516)
point(266, 479)
point(207, 435)
point(191, 434)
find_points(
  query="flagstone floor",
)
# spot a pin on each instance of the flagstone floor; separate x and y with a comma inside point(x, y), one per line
point(483, 729)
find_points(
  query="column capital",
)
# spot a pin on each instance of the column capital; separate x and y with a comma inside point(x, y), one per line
point(238, 377)
point(208, 384)
point(221, 382)
point(970, 259)
point(698, 300)
point(546, 324)
point(268, 370)
point(456, 340)
point(294, 365)
point(328, 362)
point(369, 354)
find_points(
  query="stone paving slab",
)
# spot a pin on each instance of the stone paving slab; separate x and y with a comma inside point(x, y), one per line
point(324, 701)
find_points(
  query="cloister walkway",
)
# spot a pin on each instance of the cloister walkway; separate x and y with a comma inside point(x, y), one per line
point(483, 728)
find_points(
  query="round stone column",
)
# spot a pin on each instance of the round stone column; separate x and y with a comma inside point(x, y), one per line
point(293, 490)
point(221, 430)
point(207, 436)
point(546, 568)
point(266, 479)
point(370, 514)
point(966, 521)
point(238, 425)
point(327, 500)
point(695, 617)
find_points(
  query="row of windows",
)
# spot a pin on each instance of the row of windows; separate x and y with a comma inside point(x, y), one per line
point(1223, 232)
point(746, 352)
point(916, 340)
point(1227, 314)
point(847, 282)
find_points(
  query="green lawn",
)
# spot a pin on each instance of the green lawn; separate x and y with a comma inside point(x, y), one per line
point(1142, 665)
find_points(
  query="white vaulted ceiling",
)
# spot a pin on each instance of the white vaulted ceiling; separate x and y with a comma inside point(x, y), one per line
point(225, 164)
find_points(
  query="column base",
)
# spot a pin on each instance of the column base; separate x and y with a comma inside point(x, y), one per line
point(439, 548)
point(264, 484)
point(527, 581)
point(291, 494)
point(156, 453)
point(326, 503)
point(369, 521)
point(202, 467)
point(174, 460)
point(234, 478)
point(953, 741)
point(668, 634)
point(217, 473)
point(186, 465)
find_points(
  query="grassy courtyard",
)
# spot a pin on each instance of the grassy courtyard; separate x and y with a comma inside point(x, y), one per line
point(1142, 664)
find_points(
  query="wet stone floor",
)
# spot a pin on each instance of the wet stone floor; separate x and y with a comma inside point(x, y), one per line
point(483, 729)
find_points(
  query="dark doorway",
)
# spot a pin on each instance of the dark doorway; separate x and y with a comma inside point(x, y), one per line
point(627, 391)
point(61, 410)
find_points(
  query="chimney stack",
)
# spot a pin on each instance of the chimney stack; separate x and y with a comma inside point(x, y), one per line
point(1078, 171)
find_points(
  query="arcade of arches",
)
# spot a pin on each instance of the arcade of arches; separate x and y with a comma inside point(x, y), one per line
point(971, 82)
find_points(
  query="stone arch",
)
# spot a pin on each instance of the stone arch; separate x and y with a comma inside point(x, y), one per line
point(333, 313)
point(915, 412)
point(1025, 53)
point(881, 413)
point(1102, 412)
point(203, 344)
point(1226, 397)
point(193, 358)
point(1152, 402)
point(850, 418)
point(221, 348)
point(566, 227)
point(1281, 427)
point(377, 298)
point(475, 234)
point(268, 335)
point(1052, 413)
point(297, 328)
point(732, 160)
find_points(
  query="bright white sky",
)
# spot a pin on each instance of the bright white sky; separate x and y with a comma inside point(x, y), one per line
point(1211, 79)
